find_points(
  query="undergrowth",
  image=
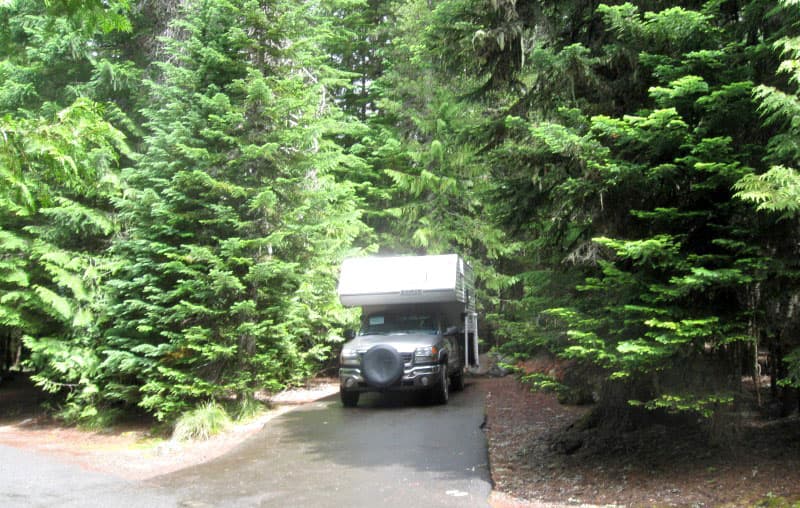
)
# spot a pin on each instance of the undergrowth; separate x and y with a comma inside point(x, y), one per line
point(773, 501)
point(202, 423)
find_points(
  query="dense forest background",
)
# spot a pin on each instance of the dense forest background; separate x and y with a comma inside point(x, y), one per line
point(180, 180)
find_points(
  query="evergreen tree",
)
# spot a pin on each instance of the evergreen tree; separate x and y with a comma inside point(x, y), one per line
point(58, 174)
point(359, 32)
point(613, 136)
point(234, 222)
point(640, 206)
point(777, 196)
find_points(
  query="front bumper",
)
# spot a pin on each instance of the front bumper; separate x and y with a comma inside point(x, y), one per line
point(416, 377)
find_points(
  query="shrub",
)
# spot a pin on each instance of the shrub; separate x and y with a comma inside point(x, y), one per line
point(201, 423)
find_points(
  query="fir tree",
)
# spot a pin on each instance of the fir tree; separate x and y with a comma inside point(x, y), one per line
point(234, 222)
point(776, 194)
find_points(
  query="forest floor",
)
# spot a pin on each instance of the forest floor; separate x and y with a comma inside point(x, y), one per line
point(538, 458)
point(542, 457)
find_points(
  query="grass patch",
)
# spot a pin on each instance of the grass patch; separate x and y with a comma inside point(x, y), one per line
point(201, 423)
point(248, 408)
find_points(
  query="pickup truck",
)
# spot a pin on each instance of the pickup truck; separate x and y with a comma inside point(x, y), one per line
point(418, 327)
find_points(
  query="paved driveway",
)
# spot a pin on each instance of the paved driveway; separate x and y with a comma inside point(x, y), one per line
point(33, 480)
point(388, 452)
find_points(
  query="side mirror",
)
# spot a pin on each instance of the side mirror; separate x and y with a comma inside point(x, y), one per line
point(451, 330)
point(349, 334)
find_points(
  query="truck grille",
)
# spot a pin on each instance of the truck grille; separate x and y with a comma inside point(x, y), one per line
point(406, 357)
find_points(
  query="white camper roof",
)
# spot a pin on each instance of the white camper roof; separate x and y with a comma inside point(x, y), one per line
point(404, 279)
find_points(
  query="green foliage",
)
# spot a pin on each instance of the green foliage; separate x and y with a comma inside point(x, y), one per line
point(248, 408)
point(543, 382)
point(57, 178)
point(201, 423)
point(634, 257)
point(773, 501)
point(598, 164)
point(777, 190)
point(58, 174)
point(705, 406)
point(231, 244)
point(792, 378)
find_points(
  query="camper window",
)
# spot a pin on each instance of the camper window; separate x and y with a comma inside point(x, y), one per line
point(386, 323)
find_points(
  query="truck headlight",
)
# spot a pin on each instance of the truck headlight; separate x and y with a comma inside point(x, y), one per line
point(426, 354)
point(349, 357)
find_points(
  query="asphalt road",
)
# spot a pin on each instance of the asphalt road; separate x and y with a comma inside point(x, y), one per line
point(32, 480)
point(388, 452)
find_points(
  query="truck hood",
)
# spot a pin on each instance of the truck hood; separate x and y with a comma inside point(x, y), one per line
point(402, 342)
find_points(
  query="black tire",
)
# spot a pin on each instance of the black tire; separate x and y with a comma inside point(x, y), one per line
point(349, 399)
point(457, 381)
point(440, 393)
point(382, 366)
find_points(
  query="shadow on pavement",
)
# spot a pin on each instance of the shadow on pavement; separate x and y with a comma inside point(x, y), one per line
point(392, 449)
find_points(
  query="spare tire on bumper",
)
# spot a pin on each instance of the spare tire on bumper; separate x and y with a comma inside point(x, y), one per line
point(382, 366)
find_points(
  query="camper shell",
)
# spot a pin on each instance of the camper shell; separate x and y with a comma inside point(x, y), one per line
point(419, 328)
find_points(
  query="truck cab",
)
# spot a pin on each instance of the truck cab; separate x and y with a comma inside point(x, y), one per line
point(418, 328)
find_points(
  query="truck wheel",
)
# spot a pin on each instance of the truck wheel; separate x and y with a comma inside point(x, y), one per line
point(457, 381)
point(382, 366)
point(441, 392)
point(349, 399)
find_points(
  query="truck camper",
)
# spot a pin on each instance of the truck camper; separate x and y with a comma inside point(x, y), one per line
point(419, 328)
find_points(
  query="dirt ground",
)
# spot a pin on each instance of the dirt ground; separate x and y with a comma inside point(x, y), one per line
point(130, 450)
point(538, 459)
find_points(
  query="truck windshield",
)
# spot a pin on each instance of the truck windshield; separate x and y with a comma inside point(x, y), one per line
point(384, 324)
